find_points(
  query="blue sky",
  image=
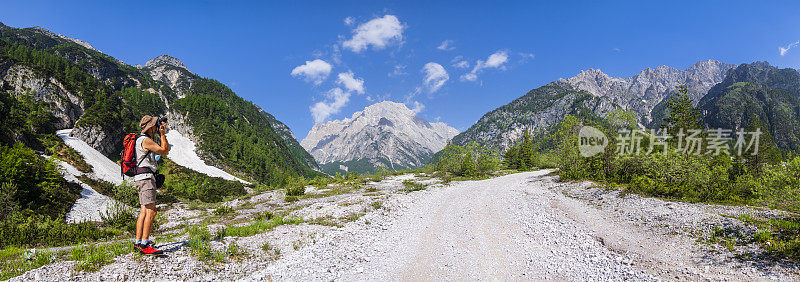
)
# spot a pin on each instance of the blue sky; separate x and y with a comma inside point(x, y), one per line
point(389, 50)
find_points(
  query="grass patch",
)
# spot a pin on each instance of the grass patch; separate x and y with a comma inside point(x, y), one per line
point(411, 186)
point(223, 210)
point(780, 237)
point(259, 226)
point(92, 257)
point(15, 261)
point(272, 251)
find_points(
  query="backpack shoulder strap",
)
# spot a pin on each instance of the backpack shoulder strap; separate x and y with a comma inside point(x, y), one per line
point(139, 161)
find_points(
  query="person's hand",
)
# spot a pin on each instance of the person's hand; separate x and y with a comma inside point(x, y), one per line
point(162, 128)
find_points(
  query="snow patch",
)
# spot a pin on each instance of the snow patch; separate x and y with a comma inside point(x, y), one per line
point(103, 168)
point(91, 204)
point(183, 153)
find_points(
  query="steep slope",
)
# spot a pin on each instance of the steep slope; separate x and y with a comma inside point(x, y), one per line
point(537, 111)
point(100, 98)
point(171, 72)
point(384, 135)
point(78, 85)
point(645, 90)
point(291, 141)
point(592, 93)
point(771, 94)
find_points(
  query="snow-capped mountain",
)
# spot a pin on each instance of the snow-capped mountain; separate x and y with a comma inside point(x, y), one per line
point(383, 135)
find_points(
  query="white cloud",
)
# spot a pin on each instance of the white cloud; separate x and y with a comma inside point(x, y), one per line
point(435, 76)
point(335, 100)
point(398, 71)
point(615, 49)
point(783, 50)
point(315, 71)
point(349, 21)
point(527, 56)
point(378, 32)
point(417, 107)
point(496, 61)
point(459, 62)
point(469, 76)
point(350, 82)
point(446, 45)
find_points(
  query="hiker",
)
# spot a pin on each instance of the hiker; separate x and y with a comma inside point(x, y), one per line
point(146, 183)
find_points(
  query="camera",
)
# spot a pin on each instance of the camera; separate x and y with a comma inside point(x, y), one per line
point(161, 120)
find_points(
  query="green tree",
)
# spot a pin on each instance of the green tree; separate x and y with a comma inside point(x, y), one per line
point(768, 153)
point(468, 165)
point(682, 115)
point(526, 151)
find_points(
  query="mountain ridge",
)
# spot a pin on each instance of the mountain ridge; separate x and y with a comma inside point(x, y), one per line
point(383, 135)
point(592, 94)
point(101, 98)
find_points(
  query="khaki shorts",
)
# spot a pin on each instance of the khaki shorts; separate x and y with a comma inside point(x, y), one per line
point(147, 191)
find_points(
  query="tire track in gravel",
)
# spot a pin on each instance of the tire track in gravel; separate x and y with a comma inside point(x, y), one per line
point(500, 229)
point(513, 227)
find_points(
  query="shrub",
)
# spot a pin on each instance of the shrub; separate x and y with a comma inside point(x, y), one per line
point(126, 194)
point(28, 229)
point(223, 210)
point(38, 184)
point(188, 184)
point(263, 216)
point(468, 160)
point(119, 216)
point(413, 185)
point(295, 191)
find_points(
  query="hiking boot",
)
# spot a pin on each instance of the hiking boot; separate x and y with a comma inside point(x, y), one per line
point(150, 250)
point(138, 247)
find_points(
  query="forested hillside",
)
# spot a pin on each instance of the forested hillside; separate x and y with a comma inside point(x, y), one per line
point(236, 134)
point(50, 82)
point(757, 90)
point(103, 98)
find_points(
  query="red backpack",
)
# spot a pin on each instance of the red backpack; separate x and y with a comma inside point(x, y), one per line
point(128, 165)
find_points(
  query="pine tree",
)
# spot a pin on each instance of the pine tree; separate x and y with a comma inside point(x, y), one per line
point(526, 156)
point(768, 153)
point(681, 112)
point(511, 156)
point(468, 165)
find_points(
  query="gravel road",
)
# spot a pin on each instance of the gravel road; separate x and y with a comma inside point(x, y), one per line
point(523, 226)
point(515, 227)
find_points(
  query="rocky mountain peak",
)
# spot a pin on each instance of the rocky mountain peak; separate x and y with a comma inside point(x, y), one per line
point(386, 134)
point(171, 71)
point(388, 108)
point(59, 36)
point(645, 90)
point(165, 60)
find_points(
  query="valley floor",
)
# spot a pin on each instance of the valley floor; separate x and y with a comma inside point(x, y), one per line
point(524, 226)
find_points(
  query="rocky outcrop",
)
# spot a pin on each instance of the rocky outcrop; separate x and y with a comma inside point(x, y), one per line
point(21, 81)
point(386, 134)
point(172, 72)
point(642, 92)
point(536, 111)
point(592, 94)
point(104, 139)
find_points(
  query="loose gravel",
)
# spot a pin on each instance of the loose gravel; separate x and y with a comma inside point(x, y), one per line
point(524, 226)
